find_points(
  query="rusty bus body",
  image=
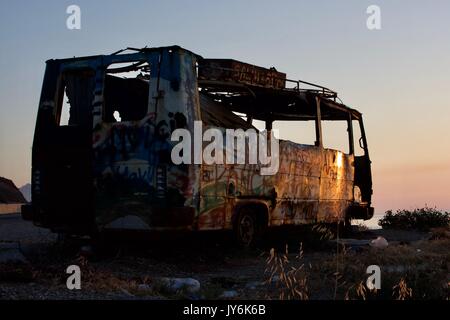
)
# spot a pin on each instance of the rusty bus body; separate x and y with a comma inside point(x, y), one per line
point(96, 173)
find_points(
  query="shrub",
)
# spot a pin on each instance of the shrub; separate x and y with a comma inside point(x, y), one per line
point(419, 219)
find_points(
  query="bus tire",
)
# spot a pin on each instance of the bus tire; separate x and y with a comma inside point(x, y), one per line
point(248, 228)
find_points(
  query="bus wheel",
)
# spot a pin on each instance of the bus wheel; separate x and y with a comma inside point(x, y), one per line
point(247, 228)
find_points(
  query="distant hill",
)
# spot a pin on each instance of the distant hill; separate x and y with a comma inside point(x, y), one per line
point(9, 192)
point(26, 191)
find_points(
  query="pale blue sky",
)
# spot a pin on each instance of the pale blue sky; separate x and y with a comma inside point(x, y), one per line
point(397, 76)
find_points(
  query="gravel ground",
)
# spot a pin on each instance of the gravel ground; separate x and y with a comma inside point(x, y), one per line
point(129, 269)
point(13, 228)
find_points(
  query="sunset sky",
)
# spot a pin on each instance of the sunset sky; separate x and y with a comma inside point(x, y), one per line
point(398, 77)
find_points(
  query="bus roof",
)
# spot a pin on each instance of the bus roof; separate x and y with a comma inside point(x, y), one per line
point(267, 94)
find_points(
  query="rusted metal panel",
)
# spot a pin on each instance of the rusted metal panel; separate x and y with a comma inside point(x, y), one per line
point(228, 70)
point(313, 184)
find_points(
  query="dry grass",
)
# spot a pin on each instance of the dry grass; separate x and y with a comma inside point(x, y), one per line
point(290, 281)
point(417, 271)
point(401, 291)
point(424, 266)
point(440, 233)
point(101, 280)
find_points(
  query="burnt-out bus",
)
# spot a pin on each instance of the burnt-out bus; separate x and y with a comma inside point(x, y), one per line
point(102, 149)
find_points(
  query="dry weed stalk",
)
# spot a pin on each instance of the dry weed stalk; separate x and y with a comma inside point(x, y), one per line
point(360, 291)
point(290, 281)
point(401, 291)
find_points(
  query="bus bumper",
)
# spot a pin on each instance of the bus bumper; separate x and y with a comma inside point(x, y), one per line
point(361, 211)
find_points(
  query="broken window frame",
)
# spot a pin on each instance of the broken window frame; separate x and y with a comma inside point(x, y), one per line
point(332, 111)
point(135, 65)
point(61, 86)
